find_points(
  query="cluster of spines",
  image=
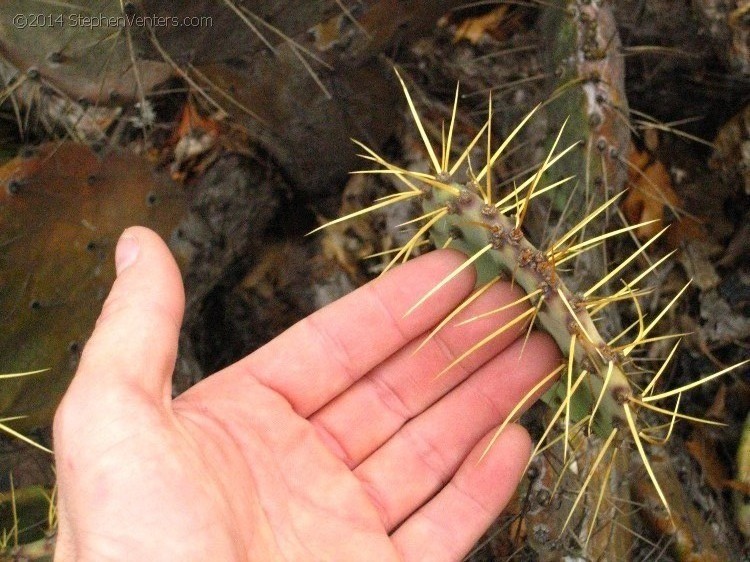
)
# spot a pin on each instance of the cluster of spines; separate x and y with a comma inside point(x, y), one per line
point(465, 217)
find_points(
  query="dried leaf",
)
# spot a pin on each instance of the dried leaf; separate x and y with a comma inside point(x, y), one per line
point(473, 29)
point(703, 445)
point(697, 259)
point(732, 149)
point(722, 322)
point(652, 197)
point(650, 193)
point(193, 137)
point(704, 452)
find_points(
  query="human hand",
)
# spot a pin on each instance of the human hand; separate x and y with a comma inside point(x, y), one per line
point(333, 442)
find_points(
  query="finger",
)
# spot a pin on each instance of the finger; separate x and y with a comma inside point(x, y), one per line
point(446, 528)
point(426, 452)
point(134, 343)
point(320, 356)
point(364, 417)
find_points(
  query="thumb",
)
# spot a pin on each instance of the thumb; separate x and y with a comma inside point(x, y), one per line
point(134, 344)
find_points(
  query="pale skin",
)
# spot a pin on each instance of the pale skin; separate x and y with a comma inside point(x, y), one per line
point(333, 442)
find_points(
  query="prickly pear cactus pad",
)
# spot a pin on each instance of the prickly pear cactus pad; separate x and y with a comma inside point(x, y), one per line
point(601, 402)
point(73, 49)
point(62, 208)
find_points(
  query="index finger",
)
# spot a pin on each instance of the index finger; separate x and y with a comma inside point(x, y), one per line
point(322, 355)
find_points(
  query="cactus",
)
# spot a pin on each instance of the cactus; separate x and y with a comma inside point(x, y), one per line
point(598, 393)
point(83, 58)
point(741, 501)
point(297, 76)
point(62, 208)
point(587, 92)
point(598, 390)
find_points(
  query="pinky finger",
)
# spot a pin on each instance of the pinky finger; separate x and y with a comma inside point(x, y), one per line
point(447, 527)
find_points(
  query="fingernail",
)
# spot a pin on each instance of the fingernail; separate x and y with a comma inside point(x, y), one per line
point(126, 252)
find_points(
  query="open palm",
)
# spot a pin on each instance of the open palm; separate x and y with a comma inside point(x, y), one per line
point(336, 441)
